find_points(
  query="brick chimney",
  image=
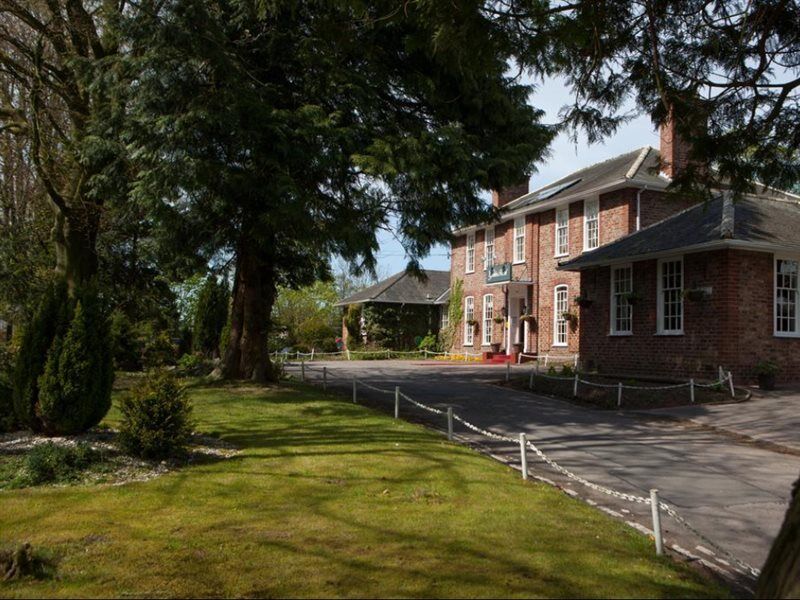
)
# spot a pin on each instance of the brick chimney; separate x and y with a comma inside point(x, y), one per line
point(502, 197)
point(675, 150)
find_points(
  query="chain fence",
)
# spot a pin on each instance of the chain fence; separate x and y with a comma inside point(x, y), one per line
point(375, 354)
point(633, 498)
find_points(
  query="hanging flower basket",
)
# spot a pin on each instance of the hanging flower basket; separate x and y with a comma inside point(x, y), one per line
point(696, 295)
point(631, 297)
point(498, 319)
point(583, 301)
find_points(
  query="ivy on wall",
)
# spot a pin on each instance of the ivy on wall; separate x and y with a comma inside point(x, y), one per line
point(455, 313)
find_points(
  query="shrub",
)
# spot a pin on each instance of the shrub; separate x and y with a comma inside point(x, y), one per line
point(75, 387)
point(211, 315)
point(7, 419)
point(157, 347)
point(155, 418)
point(125, 348)
point(429, 342)
point(567, 371)
point(194, 365)
point(51, 463)
point(50, 321)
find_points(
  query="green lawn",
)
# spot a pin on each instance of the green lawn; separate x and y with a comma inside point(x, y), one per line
point(331, 499)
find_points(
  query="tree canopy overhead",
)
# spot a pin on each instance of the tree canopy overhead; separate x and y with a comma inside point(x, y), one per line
point(728, 72)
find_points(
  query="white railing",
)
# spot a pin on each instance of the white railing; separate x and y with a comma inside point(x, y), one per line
point(525, 444)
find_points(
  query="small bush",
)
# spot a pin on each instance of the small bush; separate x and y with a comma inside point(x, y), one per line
point(567, 371)
point(7, 419)
point(156, 420)
point(51, 463)
point(194, 365)
point(157, 348)
point(75, 387)
point(430, 342)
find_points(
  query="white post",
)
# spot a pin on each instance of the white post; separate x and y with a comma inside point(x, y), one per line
point(348, 353)
point(656, 509)
point(425, 353)
point(324, 379)
point(465, 354)
point(721, 374)
point(387, 354)
point(302, 371)
point(450, 423)
point(397, 402)
point(508, 371)
point(523, 455)
point(730, 381)
point(312, 354)
point(619, 394)
point(575, 387)
point(355, 390)
point(530, 383)
point(691, 390)
point(546, 357)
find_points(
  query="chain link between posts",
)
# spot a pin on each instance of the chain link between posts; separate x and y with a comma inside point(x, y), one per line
point(563, 470)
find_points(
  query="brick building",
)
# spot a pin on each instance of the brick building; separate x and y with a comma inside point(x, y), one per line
point(716, 284)
point(512, 268)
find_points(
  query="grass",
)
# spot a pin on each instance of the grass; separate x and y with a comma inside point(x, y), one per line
point(331, 499)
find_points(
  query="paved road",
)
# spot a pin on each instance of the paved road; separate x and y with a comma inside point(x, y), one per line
point(769, 416)
point(734, 493)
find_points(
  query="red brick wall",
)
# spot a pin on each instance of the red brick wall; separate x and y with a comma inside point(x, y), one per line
point(617, 218)
point(733, 328)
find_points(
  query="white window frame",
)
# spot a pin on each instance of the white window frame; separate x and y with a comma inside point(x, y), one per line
point(559, 322)
point(469, 314)
point(488, 248)
point(488, 320)
point(615, 300)
point(469, 260)
point(561, 249)
point(796, 332)
point(519, 240)
point(661, 330)
point(587, 221)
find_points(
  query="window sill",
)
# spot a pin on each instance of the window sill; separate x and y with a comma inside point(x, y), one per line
point(560, 255)
point(585, 250)
point(559, 345)
point(469, 272)
point(668, 334)
point(784, 334)
point(620, 334)
point(519, 262)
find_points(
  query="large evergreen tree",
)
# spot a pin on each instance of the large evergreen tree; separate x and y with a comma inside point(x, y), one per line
point(284, 132)
point(727, 73)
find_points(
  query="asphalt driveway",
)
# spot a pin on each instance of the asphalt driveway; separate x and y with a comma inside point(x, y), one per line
point(734, 493)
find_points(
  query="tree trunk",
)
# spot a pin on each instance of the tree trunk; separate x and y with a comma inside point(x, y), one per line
point(780, 577)
point(246, 356)
point(75, 238)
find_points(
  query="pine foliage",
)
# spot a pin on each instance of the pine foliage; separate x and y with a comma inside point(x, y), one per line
point(210, 317)
point(64, 373)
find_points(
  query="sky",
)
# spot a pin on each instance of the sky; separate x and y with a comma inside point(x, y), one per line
point(565, 157)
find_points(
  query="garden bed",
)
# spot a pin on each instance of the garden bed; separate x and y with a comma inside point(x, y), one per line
point(636, 394)
point(28, 460)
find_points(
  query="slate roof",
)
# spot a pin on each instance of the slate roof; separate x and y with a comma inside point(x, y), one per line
point(640, 165)
point(753, 220)
point(402, 288)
